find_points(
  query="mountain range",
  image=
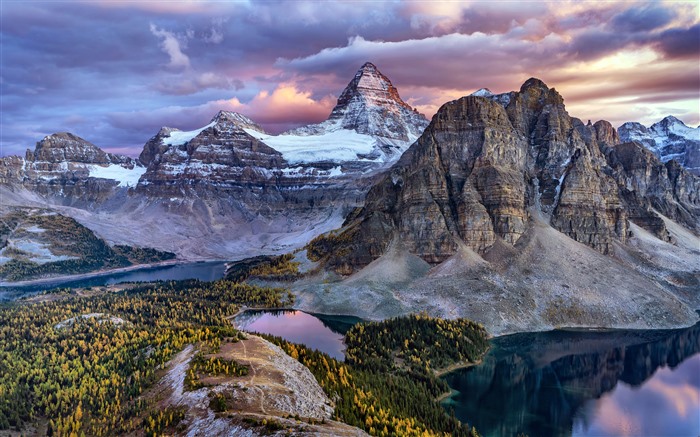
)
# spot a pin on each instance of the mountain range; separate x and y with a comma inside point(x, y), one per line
point(503, 208)
point(275, 191)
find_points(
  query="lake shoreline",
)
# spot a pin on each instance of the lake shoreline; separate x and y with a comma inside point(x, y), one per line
point(105, 272)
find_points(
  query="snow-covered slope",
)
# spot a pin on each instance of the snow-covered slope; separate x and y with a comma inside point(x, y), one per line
point(669, 139)
point(337, 146)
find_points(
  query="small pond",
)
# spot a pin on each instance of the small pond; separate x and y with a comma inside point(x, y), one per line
point(317, 331)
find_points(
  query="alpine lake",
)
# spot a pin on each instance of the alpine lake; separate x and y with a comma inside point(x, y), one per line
point(557, 383)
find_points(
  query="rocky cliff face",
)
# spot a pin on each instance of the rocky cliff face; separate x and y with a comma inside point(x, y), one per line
point(669, 139)
point(488, 166)
point(70, 170)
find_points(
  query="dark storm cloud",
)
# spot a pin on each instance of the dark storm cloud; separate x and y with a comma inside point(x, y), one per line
point(680, 43)
point(642, 19)
point(597, 43)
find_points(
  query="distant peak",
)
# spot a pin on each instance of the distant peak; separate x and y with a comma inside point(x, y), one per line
point(166, 131)
point(63, 139)
point(63, 135)
point(482, 92)
point(368, 66)
point(670, 119)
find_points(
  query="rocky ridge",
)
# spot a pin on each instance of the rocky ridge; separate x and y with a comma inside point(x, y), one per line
point(668, 139)
point(70, 170)
point(485, 165)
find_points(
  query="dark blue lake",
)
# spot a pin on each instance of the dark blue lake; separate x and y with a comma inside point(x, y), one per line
point(205, 271)
point(616, 383)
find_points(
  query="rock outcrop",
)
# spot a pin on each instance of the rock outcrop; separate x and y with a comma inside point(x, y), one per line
point(669, 139)
point(488, 166)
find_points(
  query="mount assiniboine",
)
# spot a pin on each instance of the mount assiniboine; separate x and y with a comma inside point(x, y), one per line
point(228, 189)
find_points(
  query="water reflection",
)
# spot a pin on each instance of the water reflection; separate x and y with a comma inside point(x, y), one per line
point(584, 384)
point(324, 333)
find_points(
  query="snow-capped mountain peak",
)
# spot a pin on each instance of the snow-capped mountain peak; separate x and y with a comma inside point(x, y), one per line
point(482, 92)
point(369, 111)
point(669, 139)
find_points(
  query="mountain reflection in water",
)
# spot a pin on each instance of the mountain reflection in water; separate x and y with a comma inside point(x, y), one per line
point(565, 383)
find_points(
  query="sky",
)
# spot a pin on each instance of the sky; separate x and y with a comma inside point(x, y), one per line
point(114, 72)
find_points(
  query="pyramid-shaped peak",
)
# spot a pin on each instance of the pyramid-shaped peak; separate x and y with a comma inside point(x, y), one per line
point(368, 79)
point(369, 86)
point(368, 66)
point(371, 105)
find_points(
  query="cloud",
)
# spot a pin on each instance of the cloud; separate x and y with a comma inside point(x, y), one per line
point(642, 19)
point(171, 46)
point(285, 107)
point(455, 60)
point(96, 58)
point(216, 33)
point(279, 110)
point(680, 43)
point(189, 84)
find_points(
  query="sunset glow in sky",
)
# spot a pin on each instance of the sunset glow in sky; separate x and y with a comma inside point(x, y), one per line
point(114, 72)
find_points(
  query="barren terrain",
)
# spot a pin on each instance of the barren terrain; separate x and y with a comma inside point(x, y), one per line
point(277, 390)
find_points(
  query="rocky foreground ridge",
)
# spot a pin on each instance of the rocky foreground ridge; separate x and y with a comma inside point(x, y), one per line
point(510, 212)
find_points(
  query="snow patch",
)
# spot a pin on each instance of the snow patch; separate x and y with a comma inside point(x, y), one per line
point(178, 138)
point(337, 146)
point(483, 92)
point(37, 252)
point(125, 176)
